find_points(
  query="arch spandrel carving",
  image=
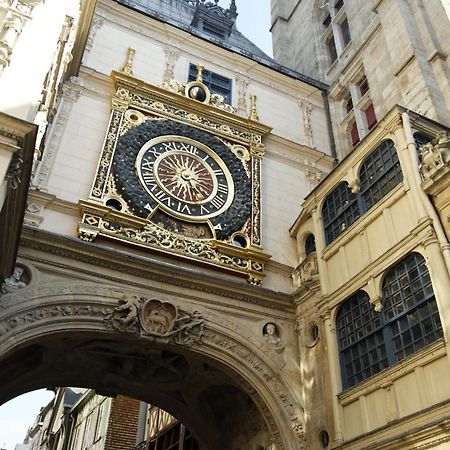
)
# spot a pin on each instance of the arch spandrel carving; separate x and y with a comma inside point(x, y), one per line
point(84, 310)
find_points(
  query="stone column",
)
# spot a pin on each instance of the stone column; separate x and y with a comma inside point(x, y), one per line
point(335, 374)
point(440, 280)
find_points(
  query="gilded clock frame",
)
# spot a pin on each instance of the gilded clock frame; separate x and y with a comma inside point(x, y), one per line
point(135, 101)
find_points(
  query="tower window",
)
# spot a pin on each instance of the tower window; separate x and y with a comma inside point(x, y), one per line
point(216, 83)
point(349, 104)
point(370, 116)
point(331, 44)
point(345, 32)
point(357, 98)
point(363, 86)
point(354, 133)
point(338, 5)
point(337, 35)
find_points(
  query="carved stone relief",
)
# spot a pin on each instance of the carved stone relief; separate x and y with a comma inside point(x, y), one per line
point(172, 55)
point(167, 324)
point(242, 82)
point(97, 22)
point(70, 95)
point(435, 154)
point(306, 108)
point(16, 281)
point(306, 271)
point(154, 318)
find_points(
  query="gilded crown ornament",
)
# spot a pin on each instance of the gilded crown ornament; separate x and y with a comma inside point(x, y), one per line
point(127, 68)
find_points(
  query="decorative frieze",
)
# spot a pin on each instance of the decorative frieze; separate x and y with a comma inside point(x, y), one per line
point(157, 319)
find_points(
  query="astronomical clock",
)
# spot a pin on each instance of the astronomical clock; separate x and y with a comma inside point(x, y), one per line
point(179, 174)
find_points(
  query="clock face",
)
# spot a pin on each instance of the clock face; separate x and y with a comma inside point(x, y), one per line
point(185, 177)
point(167, 171)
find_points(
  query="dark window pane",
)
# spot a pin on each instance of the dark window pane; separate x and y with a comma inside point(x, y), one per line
point(375, 185)
point(345, 32)
point(354, 133)
point(331, 45)
point(310, 244)
point(409, 306)
point(216, 83)
point(340, 210)
point(361, 345)
point(370, 116)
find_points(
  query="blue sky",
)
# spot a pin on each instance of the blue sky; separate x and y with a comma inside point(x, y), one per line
point(18, 414)
point(254, 21)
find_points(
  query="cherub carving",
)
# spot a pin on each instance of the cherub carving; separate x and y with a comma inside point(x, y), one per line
point(128, 309)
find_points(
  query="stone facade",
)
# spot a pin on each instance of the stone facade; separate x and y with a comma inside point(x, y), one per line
point(144, 306)
point(401, 48)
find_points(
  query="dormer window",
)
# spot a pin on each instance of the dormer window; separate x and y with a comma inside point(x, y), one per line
point(213, 31)
point(214, 20)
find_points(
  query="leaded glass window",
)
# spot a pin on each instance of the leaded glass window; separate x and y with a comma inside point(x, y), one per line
point(409, 307)
point(360, 338)
point(339, 211)
point(409, 320)
point(379, 174)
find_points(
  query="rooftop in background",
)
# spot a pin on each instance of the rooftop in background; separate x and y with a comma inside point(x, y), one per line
point(204, 18)
point(208, 20)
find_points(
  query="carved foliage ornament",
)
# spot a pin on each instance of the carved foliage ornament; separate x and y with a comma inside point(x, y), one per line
point(151, 317)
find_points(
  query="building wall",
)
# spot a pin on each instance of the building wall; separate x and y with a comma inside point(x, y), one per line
point(400, 397)
point(297, 150)
point(401, 48)
point(92, 416)
point(122, 423)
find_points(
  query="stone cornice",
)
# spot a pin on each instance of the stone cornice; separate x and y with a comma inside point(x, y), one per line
point(301, 156)
point(94, 258)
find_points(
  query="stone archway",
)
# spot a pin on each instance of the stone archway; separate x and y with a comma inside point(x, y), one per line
point(150, 347)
